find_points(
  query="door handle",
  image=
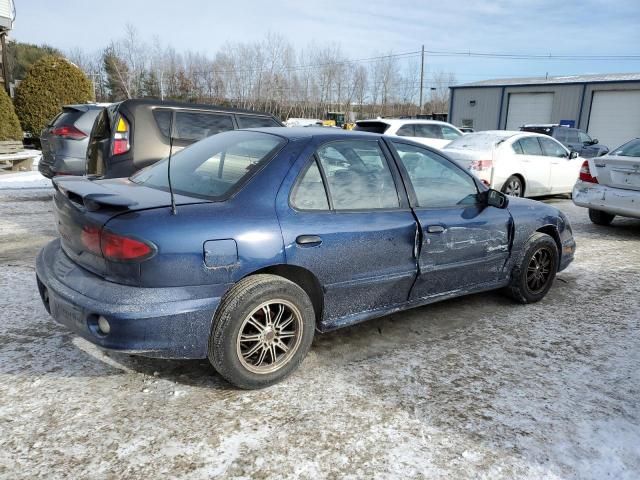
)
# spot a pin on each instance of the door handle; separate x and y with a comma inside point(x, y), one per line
point(435, 229)
point(308, 240)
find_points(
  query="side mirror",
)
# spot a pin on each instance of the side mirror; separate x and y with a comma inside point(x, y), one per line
point(496, 199)
point(594, 141)
point(573, 154)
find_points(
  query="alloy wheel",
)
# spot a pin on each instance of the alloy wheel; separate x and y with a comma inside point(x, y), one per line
point(269, 336)
point(539, 270)
point(513, 188)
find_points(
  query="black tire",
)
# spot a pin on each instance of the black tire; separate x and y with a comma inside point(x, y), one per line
point(513, 186)
point(524, 287)
point(600, 218)
point(233, 314)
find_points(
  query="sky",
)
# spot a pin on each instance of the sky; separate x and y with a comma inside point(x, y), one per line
point(363, 29)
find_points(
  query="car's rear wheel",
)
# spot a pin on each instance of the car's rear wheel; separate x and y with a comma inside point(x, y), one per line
point(262, 331)
point(534, 277)
point(513, 186)
point(600, 218)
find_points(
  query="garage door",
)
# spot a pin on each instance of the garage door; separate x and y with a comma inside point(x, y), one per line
point(615, 117)
point(527, 108)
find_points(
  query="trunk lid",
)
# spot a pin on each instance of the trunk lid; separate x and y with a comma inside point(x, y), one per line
point(83, 207)
point(617, 171)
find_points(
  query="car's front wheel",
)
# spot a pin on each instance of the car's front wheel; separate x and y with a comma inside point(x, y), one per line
point(600, 218)
point(533, 278)
point(262, 331)
point(513, 186)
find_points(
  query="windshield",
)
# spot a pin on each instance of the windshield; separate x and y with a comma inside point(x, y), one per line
point(215, 167)
point(629, 149)
point(478, 141)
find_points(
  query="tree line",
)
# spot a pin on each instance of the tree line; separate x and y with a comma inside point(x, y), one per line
point(268, 75)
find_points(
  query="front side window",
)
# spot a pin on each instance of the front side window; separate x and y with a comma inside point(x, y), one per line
point(573, 136)
point(248, 121)
point(358, 175)
point(584, 138)
point(449, 133)
point(437, 182)
point(552, 149)
point(215, 167)
point(309, 192)
point(530, 146)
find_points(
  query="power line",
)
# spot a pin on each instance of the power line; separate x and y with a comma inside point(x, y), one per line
point(526, 56)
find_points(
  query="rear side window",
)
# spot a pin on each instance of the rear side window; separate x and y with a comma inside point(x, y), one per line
point(247, 121)
point(192, 126)
point(426, 130)
point(406, 131)
point(309, 193)
point(215, 167)
point(530, 146)
point(517, 148)
point(196, 126)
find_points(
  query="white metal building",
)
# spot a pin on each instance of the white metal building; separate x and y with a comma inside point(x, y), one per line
point(606, 106)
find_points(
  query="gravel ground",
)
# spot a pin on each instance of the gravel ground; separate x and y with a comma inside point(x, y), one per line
point(477, 387)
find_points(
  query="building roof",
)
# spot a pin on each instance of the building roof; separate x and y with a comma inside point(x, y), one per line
point(599, 78)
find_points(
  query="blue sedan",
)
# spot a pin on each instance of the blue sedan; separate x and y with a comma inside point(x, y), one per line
point(277, 233)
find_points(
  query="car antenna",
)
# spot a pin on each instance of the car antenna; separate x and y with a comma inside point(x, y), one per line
point(173, 198)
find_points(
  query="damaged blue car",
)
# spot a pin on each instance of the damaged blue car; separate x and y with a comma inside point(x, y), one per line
point(243, 245)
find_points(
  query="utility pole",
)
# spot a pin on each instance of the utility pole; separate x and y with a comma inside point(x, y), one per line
point(421, 78)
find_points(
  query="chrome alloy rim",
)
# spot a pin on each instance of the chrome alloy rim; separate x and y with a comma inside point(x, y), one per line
point(539, 270)
point(269, 336)
point(513, 188)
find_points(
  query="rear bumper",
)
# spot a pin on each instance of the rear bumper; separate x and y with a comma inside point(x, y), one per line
point(171, 322)
point(616, 201)
point(51, 165)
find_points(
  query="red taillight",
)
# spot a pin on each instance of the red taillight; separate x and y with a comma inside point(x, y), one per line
point(585, 173)
point(119, 248)
point(68, 131)
point(120, 143)
point(113, 246)
point(481, 165)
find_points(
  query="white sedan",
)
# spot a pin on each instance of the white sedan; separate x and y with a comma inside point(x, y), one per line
point(610, 185)
point(521, 164)
point(431, 133)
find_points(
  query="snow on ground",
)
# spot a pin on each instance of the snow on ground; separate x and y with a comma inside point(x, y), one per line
point(23, 180)
point(477, 387)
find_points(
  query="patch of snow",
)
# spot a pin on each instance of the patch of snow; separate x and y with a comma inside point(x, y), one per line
point(22, 180)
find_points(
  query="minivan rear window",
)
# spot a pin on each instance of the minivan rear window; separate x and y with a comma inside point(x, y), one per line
point(247, 121)
point(214, 168)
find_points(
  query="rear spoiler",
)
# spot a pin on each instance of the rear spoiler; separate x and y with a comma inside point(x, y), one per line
point(92, 195)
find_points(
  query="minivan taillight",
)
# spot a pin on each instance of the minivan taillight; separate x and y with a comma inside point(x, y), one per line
point(114, 247)
point(585, 173)
point(121, 143)
point(68, 131)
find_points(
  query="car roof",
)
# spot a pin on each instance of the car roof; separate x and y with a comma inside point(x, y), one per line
point(296, 133)
point(401, 121)
point(153, 102)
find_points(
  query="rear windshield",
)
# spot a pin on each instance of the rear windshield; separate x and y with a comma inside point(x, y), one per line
point(215, 167)
point(478, 141)
point(630, 149)
point(374, 127)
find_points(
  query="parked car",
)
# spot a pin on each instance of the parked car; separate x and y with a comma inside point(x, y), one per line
point(134, 134)
point(278, 233)
point(65, 139)
point(610, 185)
point(520, 164)
point(572, 138)
point(432, 133)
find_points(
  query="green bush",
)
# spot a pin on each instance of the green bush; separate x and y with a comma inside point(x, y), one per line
point(9, 124)
point(50, 83)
